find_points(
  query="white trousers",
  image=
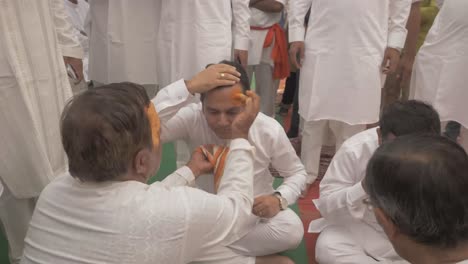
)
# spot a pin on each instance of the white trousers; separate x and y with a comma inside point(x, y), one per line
point(354, 243)
point(265, 86)
point(15, 215)
point(313, 137)
point(270, 236)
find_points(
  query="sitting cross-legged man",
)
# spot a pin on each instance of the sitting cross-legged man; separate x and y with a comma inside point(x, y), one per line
point(275, 227)
point(349, 231)
point(103, 210)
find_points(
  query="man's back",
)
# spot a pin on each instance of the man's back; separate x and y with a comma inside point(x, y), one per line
point(114, 222)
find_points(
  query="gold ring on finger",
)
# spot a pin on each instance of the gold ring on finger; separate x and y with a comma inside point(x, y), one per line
point(222, 75)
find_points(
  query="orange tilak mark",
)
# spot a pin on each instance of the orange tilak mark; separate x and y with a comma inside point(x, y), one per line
point(237, 96)
point(155, 124)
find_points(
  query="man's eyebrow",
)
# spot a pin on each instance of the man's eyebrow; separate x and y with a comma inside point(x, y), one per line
point(211, 109)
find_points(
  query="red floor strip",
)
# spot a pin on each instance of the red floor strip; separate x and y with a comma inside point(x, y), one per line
point(308, 213)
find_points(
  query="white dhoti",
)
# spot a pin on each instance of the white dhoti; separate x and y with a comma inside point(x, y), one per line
point(314, 136)
point(269, 236)
point(15, 215)
point(34, 88)
point(265, 86)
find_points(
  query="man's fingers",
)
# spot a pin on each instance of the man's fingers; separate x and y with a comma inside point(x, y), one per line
point(293, 56)
point(259, 207)
point(221, 82)
point(224, 68)
point(253, 101)
point(393, 66)
point(230, 77)
point(301, 55)
point(384, 62)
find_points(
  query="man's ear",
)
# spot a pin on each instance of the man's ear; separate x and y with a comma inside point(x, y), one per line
point(379, 135)
point(141, 162)
point(387, 224)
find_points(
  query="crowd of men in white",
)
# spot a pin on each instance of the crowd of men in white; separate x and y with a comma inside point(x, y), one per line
point(74, 168)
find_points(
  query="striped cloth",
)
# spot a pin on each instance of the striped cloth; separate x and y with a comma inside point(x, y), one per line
point(216, 155)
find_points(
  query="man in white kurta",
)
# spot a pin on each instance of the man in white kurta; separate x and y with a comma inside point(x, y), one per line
point(194, 33)
point(340, 57)
point(183, 118)
point(35, 38)
point(77, 11)
point(439, 74)
point(122, 41)
point(264, 15)
point(349, 230)
point(97, 214)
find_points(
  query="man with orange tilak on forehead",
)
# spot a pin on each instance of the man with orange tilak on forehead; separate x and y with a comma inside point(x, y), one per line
point(103, 210)
point(275, 228)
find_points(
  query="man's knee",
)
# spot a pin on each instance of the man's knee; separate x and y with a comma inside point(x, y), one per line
point(295, 232)
point(331, 243)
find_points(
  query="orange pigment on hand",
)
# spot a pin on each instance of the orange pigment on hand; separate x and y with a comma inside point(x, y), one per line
point(237, 96)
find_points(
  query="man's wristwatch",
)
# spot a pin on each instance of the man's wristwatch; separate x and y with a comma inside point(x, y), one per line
point(283, 202)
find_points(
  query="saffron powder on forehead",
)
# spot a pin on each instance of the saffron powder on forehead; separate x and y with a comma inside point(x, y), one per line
point(155, 124)
point(237, 96)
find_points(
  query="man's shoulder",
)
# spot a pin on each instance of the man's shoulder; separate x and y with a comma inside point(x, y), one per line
point(265, 123)
point(265, 128)
point(367, 139)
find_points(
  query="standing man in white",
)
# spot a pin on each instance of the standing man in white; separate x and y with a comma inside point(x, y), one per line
point(122, 40)
point(439, 74)
point(35, 40)
point(268, 40)
point(340, 57)
point(194, 33)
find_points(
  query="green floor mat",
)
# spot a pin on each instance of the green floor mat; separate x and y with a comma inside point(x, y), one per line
point(298, 255)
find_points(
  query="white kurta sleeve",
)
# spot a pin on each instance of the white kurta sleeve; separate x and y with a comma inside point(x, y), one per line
point(296, 15)
point(223, 218)
point(241, 25)
point(341, 192)
point(175, 123)
point(67, 39)
point(399, 12)
point(440, 3)
point(181, 177)
point(285, 161)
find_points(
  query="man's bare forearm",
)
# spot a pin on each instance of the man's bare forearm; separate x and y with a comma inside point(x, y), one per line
point(413, 26)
